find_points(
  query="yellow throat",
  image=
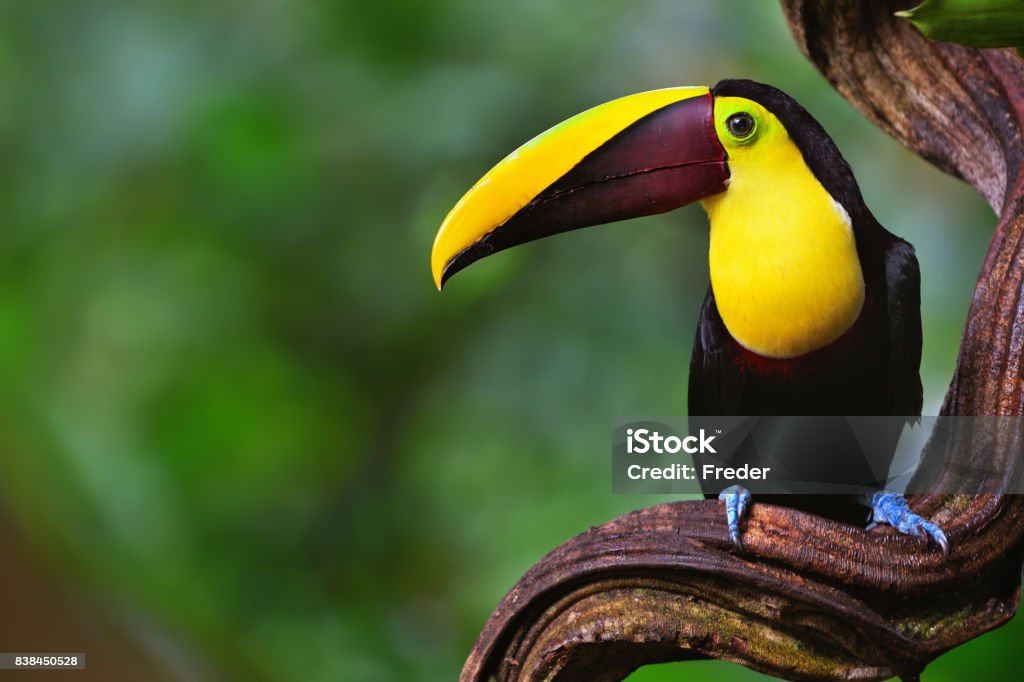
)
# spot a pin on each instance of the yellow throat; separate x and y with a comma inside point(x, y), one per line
point(783, 259)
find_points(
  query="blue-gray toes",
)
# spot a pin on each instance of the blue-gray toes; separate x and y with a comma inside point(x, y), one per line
point(736, 498)
point(891, 509)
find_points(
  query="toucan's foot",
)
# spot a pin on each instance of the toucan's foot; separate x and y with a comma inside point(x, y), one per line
point(892, 509)
point(736, 499)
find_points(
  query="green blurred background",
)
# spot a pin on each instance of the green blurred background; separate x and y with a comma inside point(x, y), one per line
point(243, 437)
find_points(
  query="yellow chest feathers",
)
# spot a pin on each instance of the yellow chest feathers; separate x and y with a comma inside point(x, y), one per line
point(783, 260)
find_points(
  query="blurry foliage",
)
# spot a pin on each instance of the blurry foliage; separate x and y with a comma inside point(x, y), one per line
point(231, 397)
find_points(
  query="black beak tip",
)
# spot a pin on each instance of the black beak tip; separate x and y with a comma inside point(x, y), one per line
point(465, 258)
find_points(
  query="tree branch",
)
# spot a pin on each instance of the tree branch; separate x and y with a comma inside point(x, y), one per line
point(811, 599)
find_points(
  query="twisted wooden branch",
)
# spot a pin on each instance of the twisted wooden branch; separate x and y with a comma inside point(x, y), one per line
point(811, 599)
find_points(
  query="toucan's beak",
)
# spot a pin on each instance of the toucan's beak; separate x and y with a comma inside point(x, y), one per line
point(634, 156)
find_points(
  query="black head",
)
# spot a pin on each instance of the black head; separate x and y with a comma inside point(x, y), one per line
point(820, 153)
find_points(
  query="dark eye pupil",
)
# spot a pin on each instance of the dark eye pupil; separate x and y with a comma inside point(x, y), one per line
point(741, 124)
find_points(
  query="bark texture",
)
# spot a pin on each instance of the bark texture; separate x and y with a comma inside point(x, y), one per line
point(811, 599)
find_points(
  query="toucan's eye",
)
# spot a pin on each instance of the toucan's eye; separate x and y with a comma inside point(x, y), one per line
point(741, 125)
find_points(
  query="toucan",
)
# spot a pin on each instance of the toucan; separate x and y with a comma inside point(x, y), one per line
point(813, 307)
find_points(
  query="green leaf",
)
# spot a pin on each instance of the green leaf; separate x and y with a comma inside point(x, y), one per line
point(975, 23)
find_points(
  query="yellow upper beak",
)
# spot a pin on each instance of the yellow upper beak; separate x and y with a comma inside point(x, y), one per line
point(630, 139)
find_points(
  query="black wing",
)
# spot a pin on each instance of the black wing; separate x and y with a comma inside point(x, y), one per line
point(903, 283)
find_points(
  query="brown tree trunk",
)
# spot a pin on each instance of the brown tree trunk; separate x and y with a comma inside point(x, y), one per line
point(811, 598)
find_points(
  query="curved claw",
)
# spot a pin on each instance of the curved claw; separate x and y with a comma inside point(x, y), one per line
point(736, 499)
point(892, 509)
